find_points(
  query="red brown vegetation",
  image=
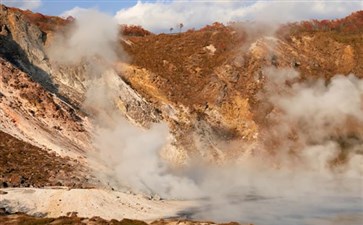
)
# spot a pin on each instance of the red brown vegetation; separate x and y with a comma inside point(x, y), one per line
point(21, 218)
point(176, 58)
point(24, 165)
point(351, 24)
point(45, 23)
point(214, 26)
point(134, 30)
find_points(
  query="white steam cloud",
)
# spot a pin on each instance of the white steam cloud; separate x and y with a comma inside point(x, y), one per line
point(133, 158)
point(317, 124)
point(129, 153)
point(308, 165)
point(93, 34)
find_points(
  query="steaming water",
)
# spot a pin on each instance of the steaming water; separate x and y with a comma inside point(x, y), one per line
point(270, 211)
point(328, 206)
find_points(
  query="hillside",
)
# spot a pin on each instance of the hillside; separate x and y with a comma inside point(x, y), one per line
point(286, 98)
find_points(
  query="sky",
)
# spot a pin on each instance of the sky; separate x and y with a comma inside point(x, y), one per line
point(161, 15)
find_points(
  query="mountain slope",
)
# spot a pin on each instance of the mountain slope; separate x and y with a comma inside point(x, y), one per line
point(286, 99)
point(205, 84)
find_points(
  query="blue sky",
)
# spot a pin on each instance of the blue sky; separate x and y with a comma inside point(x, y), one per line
point(57, 7)
point(161, 15)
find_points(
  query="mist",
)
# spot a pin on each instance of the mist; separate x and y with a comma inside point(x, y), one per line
point(93, 35)
point(307, 166)
point(308, 157)
point(315, 124)
point(127, 156)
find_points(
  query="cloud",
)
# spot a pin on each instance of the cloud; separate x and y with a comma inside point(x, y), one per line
point(23, 4)
point(76, 12)
point(159, 16)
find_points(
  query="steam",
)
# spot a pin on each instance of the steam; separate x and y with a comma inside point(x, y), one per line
point(93, 34)
point(255, 30)
point(310, 143)
point(133, 155)
point(129, 155)
point(308, 163)
point(315, 124)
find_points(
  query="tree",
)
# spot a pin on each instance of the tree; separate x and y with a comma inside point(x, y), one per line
point(171, 29)
point(181, 25)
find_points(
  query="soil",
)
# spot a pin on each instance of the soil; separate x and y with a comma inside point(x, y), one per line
point(24, 165)
point(73, 219)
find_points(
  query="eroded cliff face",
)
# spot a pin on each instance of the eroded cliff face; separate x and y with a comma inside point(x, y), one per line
point(32, 113)
point(24, 44)
point(206, 85)
point(42, 99)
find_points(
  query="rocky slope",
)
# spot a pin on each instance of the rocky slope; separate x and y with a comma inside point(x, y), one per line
point(32, 103)
point(209, 86)
point(61, 88)
point(205, 84)
point(20, 166)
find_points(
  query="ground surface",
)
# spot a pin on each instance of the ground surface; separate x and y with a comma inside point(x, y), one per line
point(22, 219)
point(24, 165)
point(107, 204)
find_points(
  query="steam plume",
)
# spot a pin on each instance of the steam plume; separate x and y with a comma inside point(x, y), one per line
point(93, 34)
point(315, 124)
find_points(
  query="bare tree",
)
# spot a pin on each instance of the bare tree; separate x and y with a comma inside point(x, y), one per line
point(171, 29)
point(181, 25)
